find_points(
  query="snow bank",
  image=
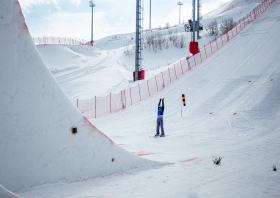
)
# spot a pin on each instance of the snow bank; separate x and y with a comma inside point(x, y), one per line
point(4, 193)
point(60, 58)
point(36, 142)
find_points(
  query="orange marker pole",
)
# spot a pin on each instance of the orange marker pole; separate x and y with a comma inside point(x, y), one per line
point(184, 102)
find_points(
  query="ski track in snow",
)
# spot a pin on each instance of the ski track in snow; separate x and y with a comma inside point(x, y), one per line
point(85, 71)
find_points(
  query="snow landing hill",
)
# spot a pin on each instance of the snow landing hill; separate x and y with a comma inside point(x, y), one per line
point(36, 142)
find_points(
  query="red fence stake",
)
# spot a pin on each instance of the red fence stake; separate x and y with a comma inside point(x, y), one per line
point(139, 91)
point(110, 103)
point(216, 44)
point(162, 78)
point(124, 99)
point(77, 104)
point(95, 106)
point(130, 96)
point(211, 47)
point(175, 71)
point(189, 67)
point(169, 75)
point(148, 88)
point(205, 51)
point(156, 82)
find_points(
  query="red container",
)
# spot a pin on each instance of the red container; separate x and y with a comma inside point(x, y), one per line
point(142, 75)
point(194, 49)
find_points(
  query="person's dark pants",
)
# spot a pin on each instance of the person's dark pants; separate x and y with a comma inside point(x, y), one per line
point(160, 124)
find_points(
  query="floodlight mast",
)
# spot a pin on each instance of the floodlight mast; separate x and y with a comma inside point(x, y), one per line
point(198, 10)
point(194, 23)
point(150, 14)
point(91, 4)
point(179, 3)
point(138, 40)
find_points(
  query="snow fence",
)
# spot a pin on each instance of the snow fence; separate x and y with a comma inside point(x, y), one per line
point(60, 41)
point(240, 3)
point(99, 106)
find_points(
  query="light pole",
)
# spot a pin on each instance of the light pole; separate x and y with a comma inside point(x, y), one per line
point(194, 23)
point(150, 14)
point(197, 26)
point(138, 40)
point(179, 3)
point(91, 4)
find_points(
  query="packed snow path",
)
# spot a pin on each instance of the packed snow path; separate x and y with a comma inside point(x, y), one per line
point(85, 71)
point(232, 111)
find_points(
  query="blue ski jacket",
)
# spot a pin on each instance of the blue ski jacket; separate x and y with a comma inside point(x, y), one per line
point(160, 111)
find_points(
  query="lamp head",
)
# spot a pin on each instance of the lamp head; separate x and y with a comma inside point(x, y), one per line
point(91, 4)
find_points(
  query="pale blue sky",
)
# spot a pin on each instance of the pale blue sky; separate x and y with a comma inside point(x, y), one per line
point(72, 18)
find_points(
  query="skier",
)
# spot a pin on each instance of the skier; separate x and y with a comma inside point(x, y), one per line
point(160, 118)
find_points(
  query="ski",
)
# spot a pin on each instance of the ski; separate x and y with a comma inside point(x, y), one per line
point(157, 136)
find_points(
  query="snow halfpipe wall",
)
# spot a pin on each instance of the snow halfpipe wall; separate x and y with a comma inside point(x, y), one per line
point(37, 145)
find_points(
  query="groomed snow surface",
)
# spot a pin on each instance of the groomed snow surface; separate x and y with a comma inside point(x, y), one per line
point(232, 111)
point(37, 144)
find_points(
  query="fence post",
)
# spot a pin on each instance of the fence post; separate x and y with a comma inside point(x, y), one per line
point(110, 103)
point(139, 92)
point(181, 67)
point(130, 96)
point(189, 67)
point(211, 48)
point(222, 41)
point(148, 88)
point(156, 82)
point(227, 37)
point(95, 106)
point(77, 104)
point(124, 98)
point(162, 78)
point(205, 51)
point(169, 75)
point(175, 71)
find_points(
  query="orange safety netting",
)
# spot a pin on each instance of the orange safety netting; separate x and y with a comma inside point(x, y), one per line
point(99, 106)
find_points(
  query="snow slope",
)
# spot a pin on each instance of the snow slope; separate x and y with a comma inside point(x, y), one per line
point(36, 142)
point(80, 73)
point(4, 193)
point(232, 111)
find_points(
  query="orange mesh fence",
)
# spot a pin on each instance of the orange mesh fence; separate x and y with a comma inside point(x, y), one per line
point(60, 41)
point(99, 106)
point(240, 3)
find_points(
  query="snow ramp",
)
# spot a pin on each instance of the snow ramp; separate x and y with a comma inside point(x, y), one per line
point(37, 145)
